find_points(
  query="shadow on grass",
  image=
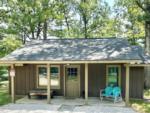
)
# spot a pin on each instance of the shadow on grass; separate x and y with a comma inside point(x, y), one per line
point(140, 105)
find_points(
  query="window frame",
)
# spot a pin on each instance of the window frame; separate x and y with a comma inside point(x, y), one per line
point(119, 76)
point(37, 77)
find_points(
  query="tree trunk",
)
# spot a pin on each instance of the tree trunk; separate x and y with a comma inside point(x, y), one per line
point(32, 34)
point(38, 30)
point(147, 43)
point(147, 49)
point(85, 25)
point(85, 21)
point(45, 30)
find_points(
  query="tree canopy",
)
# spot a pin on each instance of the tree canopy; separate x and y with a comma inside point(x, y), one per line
point(42, 19)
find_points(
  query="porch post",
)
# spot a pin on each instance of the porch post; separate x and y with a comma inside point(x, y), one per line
point(48, 84)
point(86, 83)
point(127, 85)
point(12, 75)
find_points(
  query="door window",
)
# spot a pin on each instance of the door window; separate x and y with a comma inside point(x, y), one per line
point(113, 74)
point(72, 73)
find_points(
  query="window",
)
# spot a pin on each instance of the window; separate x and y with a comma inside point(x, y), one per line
point(54, 76)
point(113, 75)
point(72, 73)
point(42, 76)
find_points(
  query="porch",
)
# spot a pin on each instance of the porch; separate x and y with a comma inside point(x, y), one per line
point(60, 100)
point(61, 105)
point(91, 78)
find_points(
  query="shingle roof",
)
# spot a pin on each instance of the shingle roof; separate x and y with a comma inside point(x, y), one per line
point(76, 50)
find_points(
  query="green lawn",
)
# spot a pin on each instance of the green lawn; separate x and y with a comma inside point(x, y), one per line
point(142, 106)
point(4, 96)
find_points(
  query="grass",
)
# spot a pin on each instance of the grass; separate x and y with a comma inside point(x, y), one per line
point(147, 94)
point(142, 106)
point(4, 96)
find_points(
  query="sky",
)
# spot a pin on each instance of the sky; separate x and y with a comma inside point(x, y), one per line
point(110, 2)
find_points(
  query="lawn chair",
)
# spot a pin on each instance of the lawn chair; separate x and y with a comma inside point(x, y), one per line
point(117, 94)
point(107, 92)
point(112, 93)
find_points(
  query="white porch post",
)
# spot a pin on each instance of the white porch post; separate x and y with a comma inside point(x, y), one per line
point(86, 83)
point(12, 75)
point(127, 85)
point(48, 84)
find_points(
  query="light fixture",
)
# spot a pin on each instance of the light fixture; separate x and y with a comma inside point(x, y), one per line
point(12, 72)
point(67, 64)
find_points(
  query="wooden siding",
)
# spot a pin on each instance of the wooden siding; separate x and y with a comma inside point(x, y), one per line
point(136, 82)
point(25, 79)
point(96, 79)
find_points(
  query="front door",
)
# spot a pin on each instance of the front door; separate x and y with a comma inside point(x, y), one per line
point(72, 81)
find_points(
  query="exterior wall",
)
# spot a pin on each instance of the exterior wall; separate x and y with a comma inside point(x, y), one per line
point(96, 79)
point(136, 82)
point(25, 80)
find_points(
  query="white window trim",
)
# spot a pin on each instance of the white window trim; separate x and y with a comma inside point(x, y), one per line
point(37, 77)
point(119, 79)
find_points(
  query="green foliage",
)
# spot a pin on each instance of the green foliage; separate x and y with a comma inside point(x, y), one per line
point(3, 74)
point(130, 18)
point(9, 44)
point(36, 19)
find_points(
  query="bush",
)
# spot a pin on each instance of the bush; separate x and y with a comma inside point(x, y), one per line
point(3, 74)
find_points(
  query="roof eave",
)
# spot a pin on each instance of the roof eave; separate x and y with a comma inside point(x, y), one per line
point(73, 62)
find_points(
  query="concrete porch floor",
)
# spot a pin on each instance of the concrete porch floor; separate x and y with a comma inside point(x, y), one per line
point(62, 105)
point(78, 101)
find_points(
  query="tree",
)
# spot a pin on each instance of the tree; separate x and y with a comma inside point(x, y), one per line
point(3, 18)
point(28, 18)
point(137, 13)
point(93, 17)
point(145, 6)
point(129, 18)
point(9, 44)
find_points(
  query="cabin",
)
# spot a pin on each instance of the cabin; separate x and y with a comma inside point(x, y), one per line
point(76, 68)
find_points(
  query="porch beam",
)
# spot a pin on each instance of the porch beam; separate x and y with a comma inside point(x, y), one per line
point(12, 76)
point(48, 84)
point(127, 85)
point(70, 62)
point(86, 83)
